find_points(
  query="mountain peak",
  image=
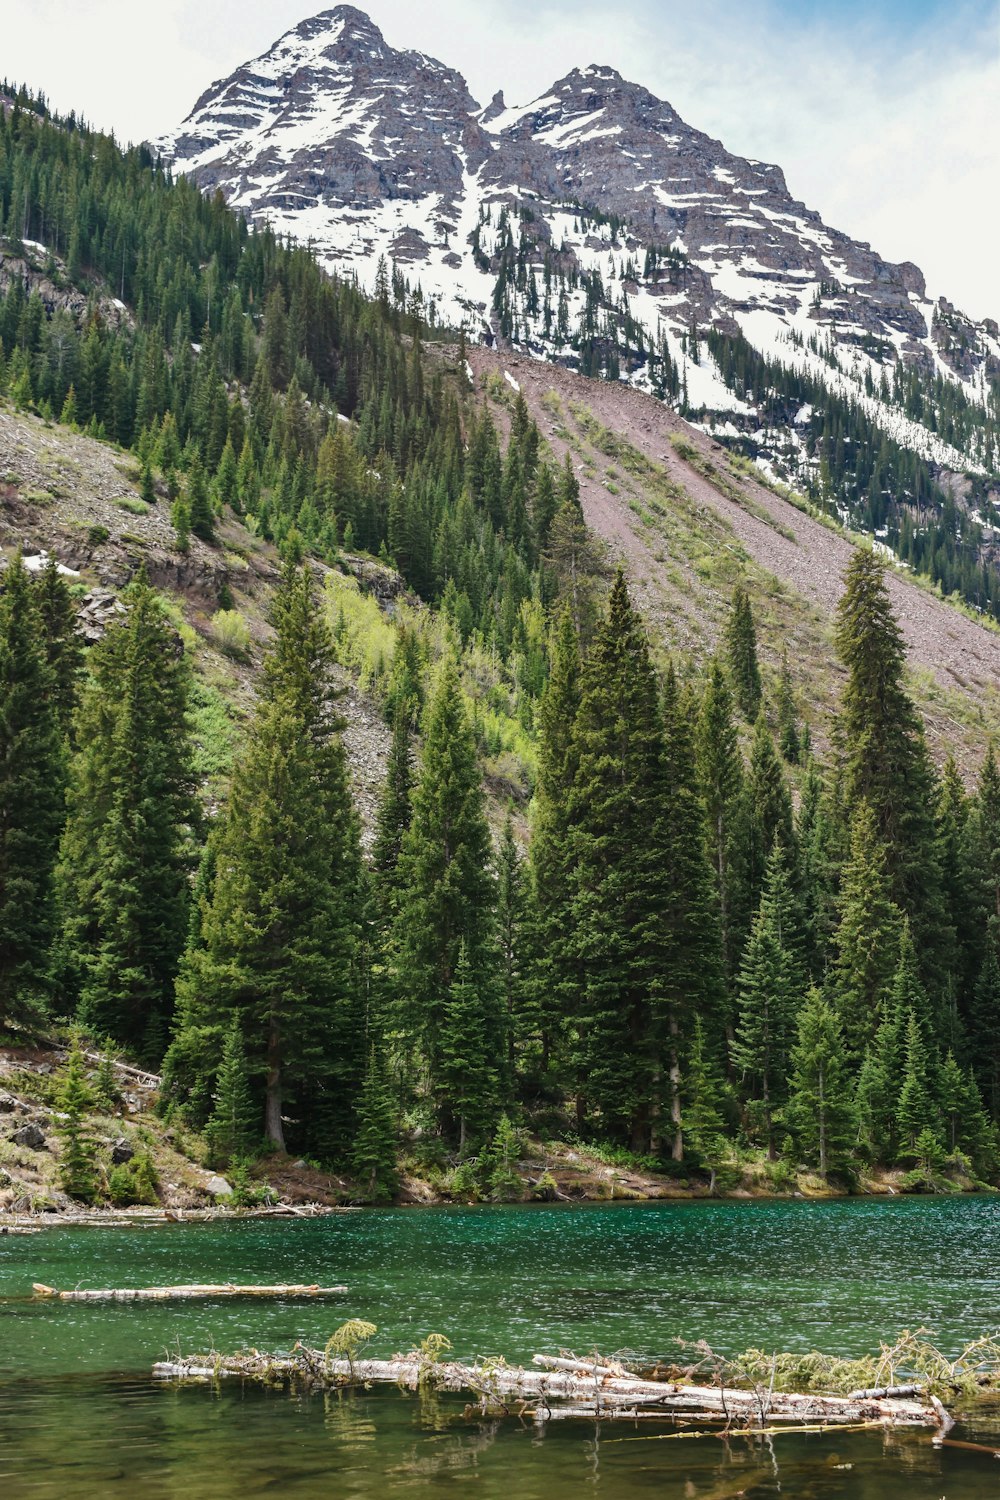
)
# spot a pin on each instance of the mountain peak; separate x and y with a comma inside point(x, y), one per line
point(328, 34)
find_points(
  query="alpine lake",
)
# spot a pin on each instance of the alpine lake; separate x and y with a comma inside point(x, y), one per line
point(80, 1415)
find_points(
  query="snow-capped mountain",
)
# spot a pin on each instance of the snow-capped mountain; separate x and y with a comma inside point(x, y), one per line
point(592, 226)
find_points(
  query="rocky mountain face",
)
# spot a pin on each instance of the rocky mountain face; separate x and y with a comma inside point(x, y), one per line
point(592, 219)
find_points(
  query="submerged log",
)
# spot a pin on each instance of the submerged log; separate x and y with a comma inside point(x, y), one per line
point(579, 1390)
point(181, 1293)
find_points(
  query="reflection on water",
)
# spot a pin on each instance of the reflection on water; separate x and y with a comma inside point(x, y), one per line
point(89, 1438)
point(80, 1417)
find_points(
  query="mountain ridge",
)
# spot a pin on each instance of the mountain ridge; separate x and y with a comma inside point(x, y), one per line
point(327, 144)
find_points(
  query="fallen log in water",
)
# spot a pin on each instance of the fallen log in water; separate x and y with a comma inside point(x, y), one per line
point(578, 1391)
point(181, 1293)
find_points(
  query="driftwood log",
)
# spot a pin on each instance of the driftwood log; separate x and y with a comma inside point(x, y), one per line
point(585, 1388)
point(181, 1293)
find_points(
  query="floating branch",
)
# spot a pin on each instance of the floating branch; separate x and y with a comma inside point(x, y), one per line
point(181, 1293)
point(591, 1388)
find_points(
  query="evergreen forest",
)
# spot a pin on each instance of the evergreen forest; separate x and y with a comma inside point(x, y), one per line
point(702, 939)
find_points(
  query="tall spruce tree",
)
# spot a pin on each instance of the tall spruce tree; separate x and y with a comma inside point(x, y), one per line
point(878, 1087)
point(984, 1026)
point(741, 654)
point(821, 1111)
point(279, 943)
point(32, 793)
point(768, 817)
point(374, 1155)
point(771, 989)
point(233, 1128)
point(886, 760)
point(394, 812)
point(693, 980)
point(63, 645)
point(704, 1091)
point(126, 850)
point(916, 1109)
point(468, 1074)
point(720, 775)
point(448, 889)
point(512, 921)
point(78, 1156)
point(620, 809)
point(789, 737)
point(866, 943)
point(556, 975)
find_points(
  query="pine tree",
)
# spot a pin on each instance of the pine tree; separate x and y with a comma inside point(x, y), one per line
point(394, 811)
point(693, 982)
point(202, 521)
point(769, 808)
point(907, 993)
point(879, 1083)
point(821, 1112)
point(619, 810)
point(866, 943)
point(467, 1066)
point(512, 914)
point(32, 790)
point(887, 765)
point(720, 775)
point(984, 1026)
point(741, 653)
point(180, 516)
point(789, 739)
point(279, 942)
point(63, 645)
point(374, 1155)
point(817, 867)
point(575, 560)
point(915, 1110)
point(704, 1126)
point(107, 1092)
point(771, 987)
point(447, 887)
point(126, 848)
point(78, 1157)
point(232, 1129)
point(556, 978)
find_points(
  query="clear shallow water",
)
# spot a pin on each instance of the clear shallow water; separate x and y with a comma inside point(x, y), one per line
point(79, 1415)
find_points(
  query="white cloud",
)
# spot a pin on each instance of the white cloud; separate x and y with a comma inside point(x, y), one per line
point(892, 135)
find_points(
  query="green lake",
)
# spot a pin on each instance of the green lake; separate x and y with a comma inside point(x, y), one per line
point(80, 1416)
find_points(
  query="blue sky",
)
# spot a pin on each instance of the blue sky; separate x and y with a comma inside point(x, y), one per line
point(884, 114)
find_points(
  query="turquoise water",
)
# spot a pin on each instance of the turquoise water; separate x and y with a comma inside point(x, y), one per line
point(80, 1416)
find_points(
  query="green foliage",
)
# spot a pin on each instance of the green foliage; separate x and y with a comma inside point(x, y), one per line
point(444, 922)
point(107, 1090)
point(134, 1182)
point(349, 1339)
point(33, 709)
point(821, 1110)
point(231, 633)
point(741, 650)
point(232, 1129)
point(279, 934)
point(78, 1157)
point(375, 1145)
point(125, 847)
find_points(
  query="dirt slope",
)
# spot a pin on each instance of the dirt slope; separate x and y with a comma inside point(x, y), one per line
point(686, 525)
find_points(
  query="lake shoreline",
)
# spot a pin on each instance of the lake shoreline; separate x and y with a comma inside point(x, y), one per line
point(128, 1218)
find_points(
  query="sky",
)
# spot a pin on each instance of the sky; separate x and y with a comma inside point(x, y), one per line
point(884, 114)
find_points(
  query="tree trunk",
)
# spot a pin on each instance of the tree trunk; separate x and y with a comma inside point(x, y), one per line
point(677, 1149)
point(272, 1101)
